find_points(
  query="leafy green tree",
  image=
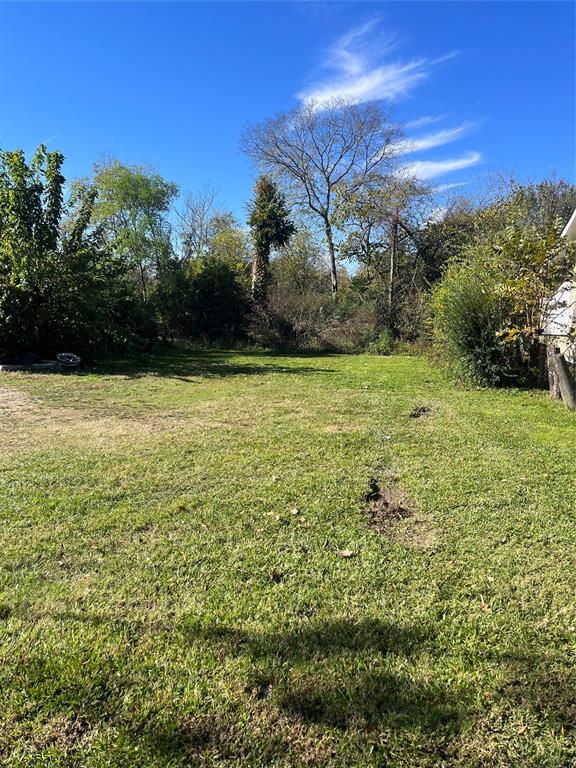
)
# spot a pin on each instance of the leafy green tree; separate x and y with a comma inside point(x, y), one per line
point(271, 227)
point(60, 286)
point(442, 238)
point(217, 304)
point(213, 272)
point(206, 230)
point(167, 307)
point(466, 220)
point(300, 267)
point(132, 207)
point(230, 244)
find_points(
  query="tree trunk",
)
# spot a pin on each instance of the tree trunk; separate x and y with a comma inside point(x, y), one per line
point(553, 384)
point(332, 254)
point(392, 273)
point(259, 278)
point(143, 281)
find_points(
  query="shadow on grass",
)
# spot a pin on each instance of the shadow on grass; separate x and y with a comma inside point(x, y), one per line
point(360, 679)
point(335, 690)
point(180, 362)
point(330, 674)
point(543, 681)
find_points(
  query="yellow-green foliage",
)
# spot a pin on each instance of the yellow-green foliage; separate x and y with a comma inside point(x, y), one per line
point(488, 307)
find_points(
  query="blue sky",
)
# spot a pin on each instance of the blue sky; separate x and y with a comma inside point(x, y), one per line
point(481, 86)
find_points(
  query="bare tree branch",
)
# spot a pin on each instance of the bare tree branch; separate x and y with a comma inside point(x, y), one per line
point(324, 154)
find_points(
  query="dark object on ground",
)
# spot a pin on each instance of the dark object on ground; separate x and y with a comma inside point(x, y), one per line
point(68, 361)
point(28, 361)
point(421, 410)
point(387, 506)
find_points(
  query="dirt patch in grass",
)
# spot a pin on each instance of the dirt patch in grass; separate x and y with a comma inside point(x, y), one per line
point(12, 401)
point(419, 411)
point(392, 513)
point(388, 505)
point(28, 422)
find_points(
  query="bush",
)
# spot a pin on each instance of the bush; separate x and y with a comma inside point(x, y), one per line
point(313, 322)
point(383, 344)
point(217, 305)
point(469, 311)
point(270, 330)
point(301, 315)
point(349, 331)
point(488, 308)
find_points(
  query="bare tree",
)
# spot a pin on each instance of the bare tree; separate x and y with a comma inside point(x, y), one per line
point(196, 221)
point(323, 154)
point(383, 223)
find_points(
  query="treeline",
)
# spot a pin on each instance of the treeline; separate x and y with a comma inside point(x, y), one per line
point(119, 263)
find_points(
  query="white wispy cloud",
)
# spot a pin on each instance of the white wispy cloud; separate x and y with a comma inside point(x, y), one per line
point(430, 169)
point(437, 214)
point(360, 69)
point(453, 185)
point(431, 140)
point(420, 122)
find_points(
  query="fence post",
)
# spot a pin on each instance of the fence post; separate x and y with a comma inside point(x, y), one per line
point(565, 380)
point(554, 386)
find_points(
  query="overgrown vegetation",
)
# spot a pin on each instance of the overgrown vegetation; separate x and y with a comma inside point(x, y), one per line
point(469, 313)
point(343, 252)
point(490, 303)
point(198, 567)
point(60, 283)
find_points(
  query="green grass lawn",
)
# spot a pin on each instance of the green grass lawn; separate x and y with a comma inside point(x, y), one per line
point(173, 590)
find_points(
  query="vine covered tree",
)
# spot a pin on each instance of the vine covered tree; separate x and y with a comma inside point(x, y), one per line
point(271, 227)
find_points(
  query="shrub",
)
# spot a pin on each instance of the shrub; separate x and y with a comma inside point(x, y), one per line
point(383, 344)
point(268, 329)
point(489, 306)
point(300, 316)
point(350, 332)
point(469, 311)
point(217, 303)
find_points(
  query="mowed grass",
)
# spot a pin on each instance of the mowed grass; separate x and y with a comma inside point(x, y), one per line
point(173, 590)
